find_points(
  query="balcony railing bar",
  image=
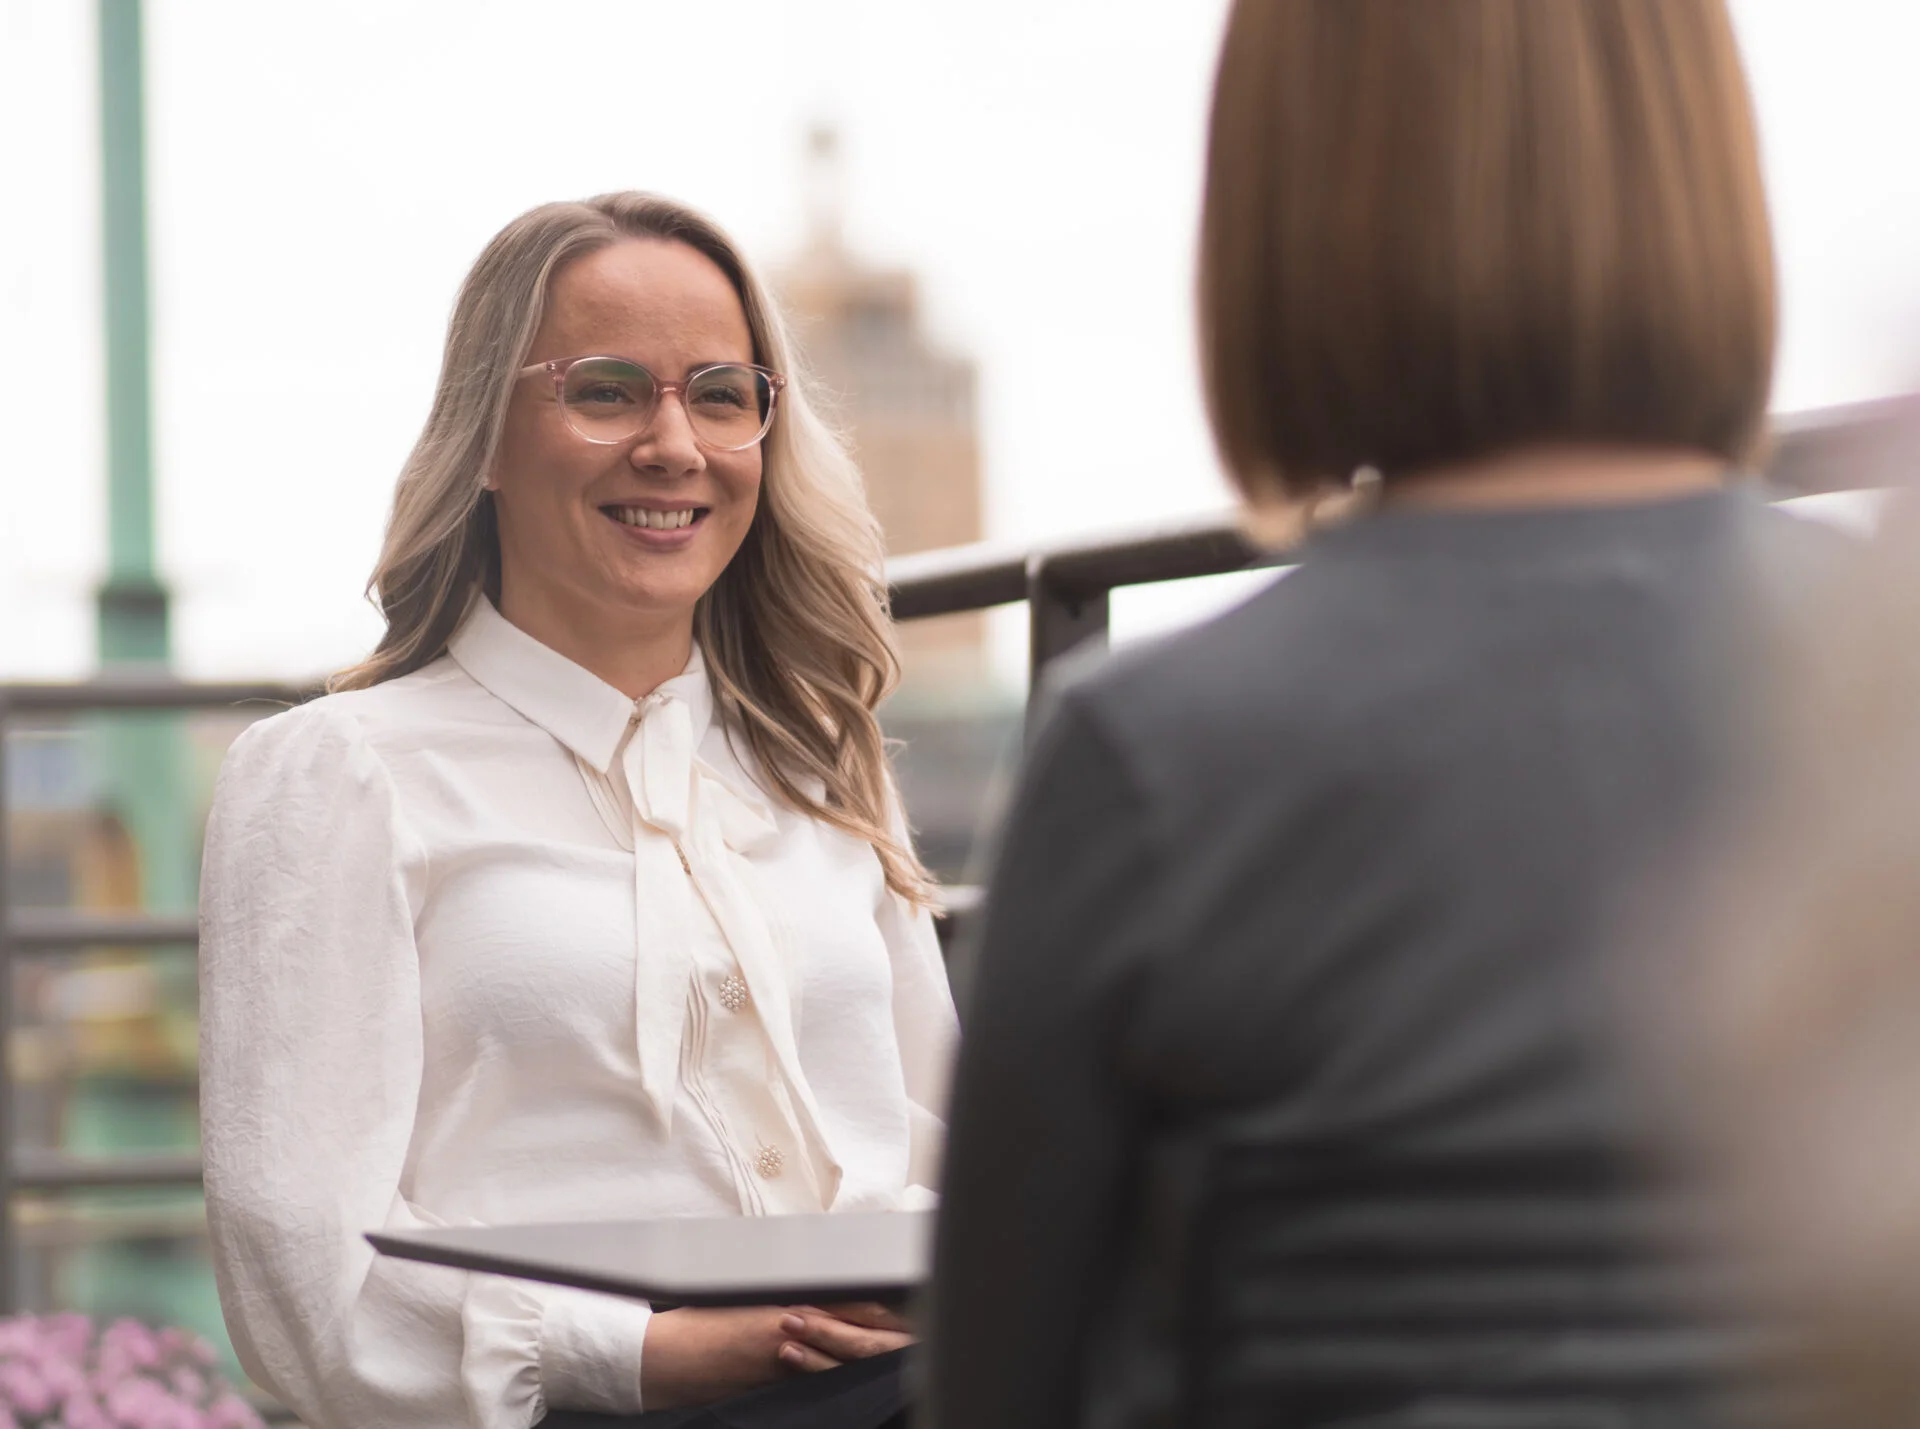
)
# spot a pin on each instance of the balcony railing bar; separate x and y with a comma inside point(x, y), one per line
point(56, 930)
point(38, 1170)
point(146, 692)
point(975, 577)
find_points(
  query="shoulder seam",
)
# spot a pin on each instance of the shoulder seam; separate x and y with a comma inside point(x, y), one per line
point(403, 828)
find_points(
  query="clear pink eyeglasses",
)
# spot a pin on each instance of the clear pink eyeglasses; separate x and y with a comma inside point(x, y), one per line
point(608, 400)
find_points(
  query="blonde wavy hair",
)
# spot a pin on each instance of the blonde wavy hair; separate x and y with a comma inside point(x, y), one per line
point(797, 637)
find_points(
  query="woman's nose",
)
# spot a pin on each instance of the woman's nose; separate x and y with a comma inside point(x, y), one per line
point(667, 440)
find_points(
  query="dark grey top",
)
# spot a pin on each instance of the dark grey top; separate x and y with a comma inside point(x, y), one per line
point(1349, 854)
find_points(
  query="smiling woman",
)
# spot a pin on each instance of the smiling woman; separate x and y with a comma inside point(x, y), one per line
point(587, 895)
point(805, 584)
point(616, 511)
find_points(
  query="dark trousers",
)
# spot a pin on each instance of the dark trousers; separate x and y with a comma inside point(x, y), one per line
point(867, 1394)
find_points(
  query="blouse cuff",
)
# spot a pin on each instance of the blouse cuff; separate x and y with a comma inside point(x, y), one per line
point(533, 1349)
point(590, 1347)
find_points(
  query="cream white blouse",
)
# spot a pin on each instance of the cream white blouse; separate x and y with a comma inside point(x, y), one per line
point(493, 943)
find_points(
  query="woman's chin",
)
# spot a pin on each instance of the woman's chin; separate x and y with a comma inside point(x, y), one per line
point(654, 598)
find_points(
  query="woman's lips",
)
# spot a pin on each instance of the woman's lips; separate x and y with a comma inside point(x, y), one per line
point(655, 518)
point(657, 528)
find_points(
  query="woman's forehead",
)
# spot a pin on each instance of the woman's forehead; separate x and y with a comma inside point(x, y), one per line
point(645, 292)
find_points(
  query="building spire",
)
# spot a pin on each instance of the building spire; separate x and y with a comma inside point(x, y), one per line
point(826, 188)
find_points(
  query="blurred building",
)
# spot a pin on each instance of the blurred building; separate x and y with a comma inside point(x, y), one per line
point(907, 408)
point(909, 411)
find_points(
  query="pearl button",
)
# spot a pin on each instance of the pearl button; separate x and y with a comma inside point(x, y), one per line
point(769, 1163)
point(733, 992)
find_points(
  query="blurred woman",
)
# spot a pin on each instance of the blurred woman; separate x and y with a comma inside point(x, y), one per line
point(1288, 1095)
point(587, 896)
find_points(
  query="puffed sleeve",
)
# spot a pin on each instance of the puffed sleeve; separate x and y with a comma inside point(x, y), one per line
point(925, 1025)
point(311, 1061)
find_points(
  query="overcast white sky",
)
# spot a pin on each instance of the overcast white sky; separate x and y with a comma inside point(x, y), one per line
point(321, 175)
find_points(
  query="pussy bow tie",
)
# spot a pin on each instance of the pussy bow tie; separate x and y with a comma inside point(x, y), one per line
point(690, 834)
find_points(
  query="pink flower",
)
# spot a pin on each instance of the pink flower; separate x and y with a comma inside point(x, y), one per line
point(176, 1343)
point(65, 1377)
point(126, 1346)
point(83, 1411)
point(141, 1403)
point(24, 1388)
point(68, 1335)
point(187, 1382)
point(19, 1336)
point(54, 1374)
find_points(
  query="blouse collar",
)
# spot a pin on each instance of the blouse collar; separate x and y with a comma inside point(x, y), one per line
point(571, 703)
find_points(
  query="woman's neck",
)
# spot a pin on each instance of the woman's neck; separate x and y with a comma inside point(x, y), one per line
point(634, 652)
point(1559, 475)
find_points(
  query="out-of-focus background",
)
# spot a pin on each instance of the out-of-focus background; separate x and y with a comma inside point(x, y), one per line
point(980, 216)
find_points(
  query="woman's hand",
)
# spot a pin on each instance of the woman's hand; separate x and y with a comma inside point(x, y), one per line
point(697, 1356)
point(822, 1338)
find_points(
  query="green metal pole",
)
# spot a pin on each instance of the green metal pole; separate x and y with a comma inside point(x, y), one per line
point(133, 605)
point(143, 754)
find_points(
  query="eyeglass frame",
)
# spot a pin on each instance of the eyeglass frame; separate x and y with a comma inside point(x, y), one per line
point(558, 366)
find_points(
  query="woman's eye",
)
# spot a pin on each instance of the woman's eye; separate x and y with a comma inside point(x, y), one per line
point(721, 397)
point(605, 394)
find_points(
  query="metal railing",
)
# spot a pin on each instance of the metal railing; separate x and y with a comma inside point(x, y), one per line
point(42, 932)
point(1067, 587)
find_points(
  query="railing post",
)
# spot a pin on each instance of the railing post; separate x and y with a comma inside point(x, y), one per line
point(1058, 620)
point(9, 1258)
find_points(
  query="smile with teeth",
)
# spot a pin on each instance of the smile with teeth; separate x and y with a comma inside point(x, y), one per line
point(654, 520)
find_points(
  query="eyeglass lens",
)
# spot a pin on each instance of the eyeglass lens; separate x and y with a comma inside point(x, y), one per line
point(729, 407)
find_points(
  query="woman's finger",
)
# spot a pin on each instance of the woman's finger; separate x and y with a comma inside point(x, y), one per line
point(833, 1336)
point(870, 1313)
point(796, 1355)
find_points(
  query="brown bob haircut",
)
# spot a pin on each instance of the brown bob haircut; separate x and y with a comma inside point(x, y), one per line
point(1439, 229)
